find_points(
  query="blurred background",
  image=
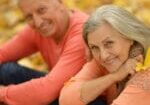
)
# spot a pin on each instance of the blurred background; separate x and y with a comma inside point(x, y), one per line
point(11, 19)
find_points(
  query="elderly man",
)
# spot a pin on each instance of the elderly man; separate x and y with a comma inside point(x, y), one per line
point(55, 32)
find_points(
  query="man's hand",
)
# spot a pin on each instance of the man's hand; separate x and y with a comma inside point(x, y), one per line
point(1, 86)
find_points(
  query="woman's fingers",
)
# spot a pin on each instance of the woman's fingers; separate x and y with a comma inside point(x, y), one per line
point(139, 58)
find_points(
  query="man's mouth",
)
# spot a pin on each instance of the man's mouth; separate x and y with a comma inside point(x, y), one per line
point(45, 27)
point(43, 30)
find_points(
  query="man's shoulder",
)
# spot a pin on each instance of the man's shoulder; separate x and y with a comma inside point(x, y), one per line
point(79, 16)
point(28, 32)
point(27, 29)
point(77, 19)
point(79, 13)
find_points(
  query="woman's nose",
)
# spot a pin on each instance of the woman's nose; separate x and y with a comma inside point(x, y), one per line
point(103, 55)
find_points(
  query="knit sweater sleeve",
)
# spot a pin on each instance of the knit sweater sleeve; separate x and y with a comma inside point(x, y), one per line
point(23, 44)
point(46, 89)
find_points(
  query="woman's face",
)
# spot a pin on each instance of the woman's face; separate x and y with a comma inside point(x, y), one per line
point(108, 47)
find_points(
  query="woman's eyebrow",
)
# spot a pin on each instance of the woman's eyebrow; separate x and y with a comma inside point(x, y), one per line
point(106, 39)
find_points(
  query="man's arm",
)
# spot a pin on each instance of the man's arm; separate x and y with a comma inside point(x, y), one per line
point(46, 89)
point(20, 46)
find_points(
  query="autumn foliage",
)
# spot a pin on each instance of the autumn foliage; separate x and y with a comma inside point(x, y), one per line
point(11, 19)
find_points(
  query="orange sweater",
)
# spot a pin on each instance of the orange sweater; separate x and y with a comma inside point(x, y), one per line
point(64, 61)
point(137, 91)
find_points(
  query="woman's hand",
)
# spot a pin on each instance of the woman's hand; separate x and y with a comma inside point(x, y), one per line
point(128, 68)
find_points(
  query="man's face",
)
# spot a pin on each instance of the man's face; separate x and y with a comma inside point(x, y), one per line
point(45, 16)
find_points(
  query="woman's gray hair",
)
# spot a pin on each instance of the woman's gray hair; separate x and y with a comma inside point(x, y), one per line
point(121, 20)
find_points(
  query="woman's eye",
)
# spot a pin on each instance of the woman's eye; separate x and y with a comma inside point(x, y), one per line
point(42, 10)
point(109, 44)
point(94, 48)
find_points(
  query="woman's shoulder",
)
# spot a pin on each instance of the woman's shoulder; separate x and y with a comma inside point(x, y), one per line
point(136, 91)
point(141, 79)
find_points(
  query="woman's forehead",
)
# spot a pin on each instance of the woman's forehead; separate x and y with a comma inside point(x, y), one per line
point(105, 30)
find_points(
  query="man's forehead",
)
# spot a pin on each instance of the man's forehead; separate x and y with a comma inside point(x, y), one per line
point(40, 0)
point(28, 3)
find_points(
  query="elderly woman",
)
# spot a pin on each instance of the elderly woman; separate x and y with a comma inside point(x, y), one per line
point(117, 41)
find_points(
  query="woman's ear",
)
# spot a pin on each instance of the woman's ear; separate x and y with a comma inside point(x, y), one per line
point(135, 50)
point(88, 54)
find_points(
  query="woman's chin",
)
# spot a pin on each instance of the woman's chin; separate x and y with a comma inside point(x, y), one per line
point(112, 69)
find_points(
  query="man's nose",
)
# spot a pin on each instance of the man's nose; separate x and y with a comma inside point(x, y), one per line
point(37, 21)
